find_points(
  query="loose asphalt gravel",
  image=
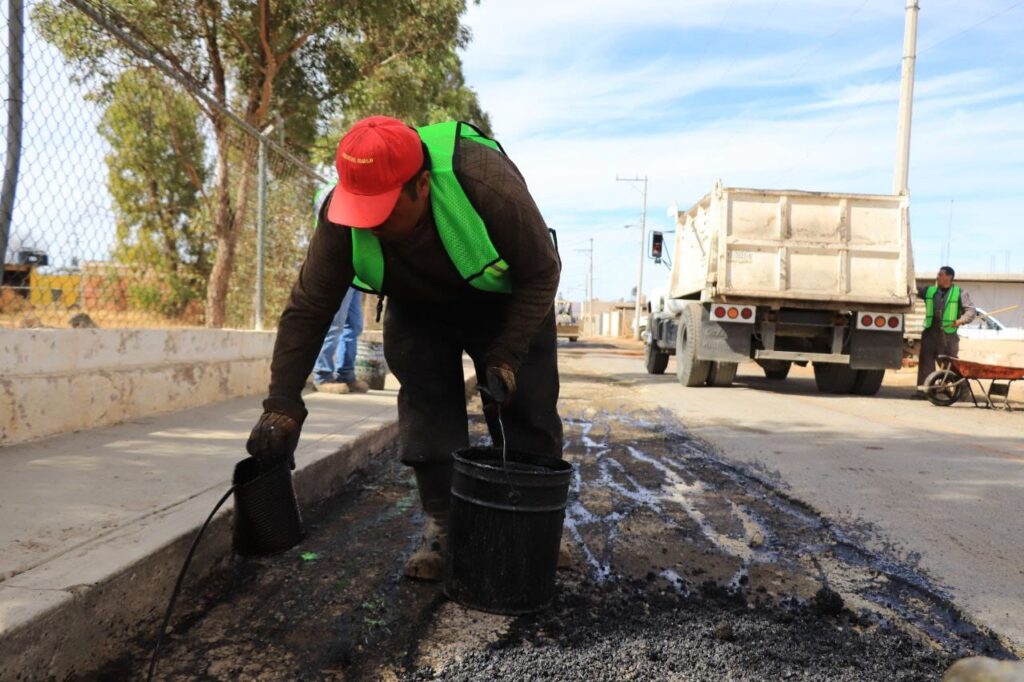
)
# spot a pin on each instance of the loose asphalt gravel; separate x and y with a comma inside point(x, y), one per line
point(684, 569)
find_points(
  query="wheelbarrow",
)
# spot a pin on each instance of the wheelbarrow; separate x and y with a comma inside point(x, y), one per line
point(952, 382)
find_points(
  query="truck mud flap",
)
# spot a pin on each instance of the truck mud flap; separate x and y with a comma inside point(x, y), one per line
point(875, 349)
point(728, 342)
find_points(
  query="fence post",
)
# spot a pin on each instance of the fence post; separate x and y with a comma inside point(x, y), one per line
point(15, 62)
point(261, 217)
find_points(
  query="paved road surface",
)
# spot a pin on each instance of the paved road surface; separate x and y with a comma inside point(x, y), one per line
point(943, 487)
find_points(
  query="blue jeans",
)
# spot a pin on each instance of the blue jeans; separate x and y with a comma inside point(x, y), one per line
point(337, 359)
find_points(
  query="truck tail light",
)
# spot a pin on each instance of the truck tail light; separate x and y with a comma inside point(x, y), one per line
point(880, 322)
point(733, 313)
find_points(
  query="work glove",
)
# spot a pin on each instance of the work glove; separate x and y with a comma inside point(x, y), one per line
point(276, 434)
point(501, 382)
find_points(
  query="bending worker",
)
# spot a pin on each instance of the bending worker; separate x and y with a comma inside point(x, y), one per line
point(948, 307)
point(440, 221)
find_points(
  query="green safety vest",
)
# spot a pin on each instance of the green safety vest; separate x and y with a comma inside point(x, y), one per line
point(950, 314)
point(460, 227)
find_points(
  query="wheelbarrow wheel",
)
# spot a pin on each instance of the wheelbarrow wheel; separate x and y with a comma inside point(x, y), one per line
point(943, 388)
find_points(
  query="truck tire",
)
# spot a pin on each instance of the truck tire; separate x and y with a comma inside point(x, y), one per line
point(657, 359)
point(868, 381)
point(777, 370)
point(722, 373)
point(690, 370)
point(832, 377)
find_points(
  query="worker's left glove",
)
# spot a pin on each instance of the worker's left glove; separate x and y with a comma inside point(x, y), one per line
point(276, 434)
point(501, 382)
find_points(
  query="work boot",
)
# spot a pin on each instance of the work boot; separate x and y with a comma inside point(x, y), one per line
point(336, 387)
point(358, 386)
point(434, 481)
point(564, 554)
point(427, 562)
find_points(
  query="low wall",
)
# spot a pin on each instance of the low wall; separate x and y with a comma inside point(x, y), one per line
point(59, 380)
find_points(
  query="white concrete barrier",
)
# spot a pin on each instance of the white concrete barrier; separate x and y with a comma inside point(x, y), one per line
point(58, 380)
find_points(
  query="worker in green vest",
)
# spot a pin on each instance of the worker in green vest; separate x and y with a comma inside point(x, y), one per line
point(947, 307)
point(440, 221)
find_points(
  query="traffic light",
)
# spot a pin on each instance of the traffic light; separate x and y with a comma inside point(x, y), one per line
point(657, 244)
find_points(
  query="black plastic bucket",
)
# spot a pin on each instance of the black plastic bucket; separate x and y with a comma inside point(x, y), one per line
point(267, 518)
point(505, 529)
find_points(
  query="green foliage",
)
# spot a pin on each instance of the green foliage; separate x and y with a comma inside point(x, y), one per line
point(407, 67)
point(156, 175)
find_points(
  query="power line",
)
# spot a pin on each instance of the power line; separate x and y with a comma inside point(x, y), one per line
point(842, 26)
point(721, 22)
point(973, 26)
point(864, 100)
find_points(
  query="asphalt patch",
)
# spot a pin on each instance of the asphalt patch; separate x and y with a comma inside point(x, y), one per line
point(684, 569)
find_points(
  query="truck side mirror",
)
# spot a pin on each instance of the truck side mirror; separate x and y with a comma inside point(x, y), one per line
point(657, 246)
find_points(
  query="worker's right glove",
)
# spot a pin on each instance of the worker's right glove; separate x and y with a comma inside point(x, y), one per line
point(501, 382)
point(276, 434)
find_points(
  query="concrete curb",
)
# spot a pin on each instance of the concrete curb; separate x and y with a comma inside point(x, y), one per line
point(78, 630)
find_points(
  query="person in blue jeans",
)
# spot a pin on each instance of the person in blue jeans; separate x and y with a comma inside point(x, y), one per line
point(335, 369)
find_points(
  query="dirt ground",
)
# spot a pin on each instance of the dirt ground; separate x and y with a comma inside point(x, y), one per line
point(685, 568)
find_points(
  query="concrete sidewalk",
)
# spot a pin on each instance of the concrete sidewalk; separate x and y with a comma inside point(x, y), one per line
point(94, 525)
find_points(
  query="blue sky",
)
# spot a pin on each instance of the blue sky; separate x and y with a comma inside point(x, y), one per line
point(759, 93)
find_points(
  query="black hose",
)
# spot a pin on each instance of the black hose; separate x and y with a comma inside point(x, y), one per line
point(177, 586)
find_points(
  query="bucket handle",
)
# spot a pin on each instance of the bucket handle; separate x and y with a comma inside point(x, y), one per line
point(513, 494)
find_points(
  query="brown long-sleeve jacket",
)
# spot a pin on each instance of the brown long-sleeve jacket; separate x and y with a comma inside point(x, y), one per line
point(420, 271)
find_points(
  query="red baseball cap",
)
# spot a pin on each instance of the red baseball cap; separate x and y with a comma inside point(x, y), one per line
point(375, 158)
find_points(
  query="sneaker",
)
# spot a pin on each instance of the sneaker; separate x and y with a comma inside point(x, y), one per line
point(332, 387)
point(358, 386)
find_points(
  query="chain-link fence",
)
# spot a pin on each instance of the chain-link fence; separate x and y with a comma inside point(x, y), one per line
point(120, 196)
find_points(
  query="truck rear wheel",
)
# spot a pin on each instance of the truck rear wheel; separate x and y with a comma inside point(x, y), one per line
point(722, 373)
point(868, 381)
point(776, 370)
point(832, 377)
point(657, 359)
point(690, 370)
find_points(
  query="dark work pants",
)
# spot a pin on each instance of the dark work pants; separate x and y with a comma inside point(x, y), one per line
point(934, 342)
point(423, 346)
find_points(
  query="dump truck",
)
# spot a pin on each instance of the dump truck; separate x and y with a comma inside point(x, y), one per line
point(567, 324)
point(782, 277)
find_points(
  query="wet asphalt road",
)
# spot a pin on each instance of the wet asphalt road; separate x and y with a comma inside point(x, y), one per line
point(941, 488)
point(686, 567)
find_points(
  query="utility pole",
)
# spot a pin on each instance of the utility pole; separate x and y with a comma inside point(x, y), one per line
point(643, 242)
point(590, 281)
point(899, 181)
point(588, 304)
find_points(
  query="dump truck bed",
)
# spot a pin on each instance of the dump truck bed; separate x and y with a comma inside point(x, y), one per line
point(794, 248)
